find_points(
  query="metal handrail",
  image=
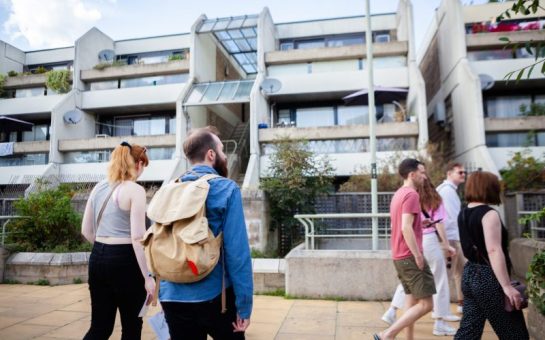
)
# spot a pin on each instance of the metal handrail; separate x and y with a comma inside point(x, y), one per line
point(227, 142)
point(310, 232)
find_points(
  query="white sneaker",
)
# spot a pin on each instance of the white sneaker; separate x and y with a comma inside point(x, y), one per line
point(460, 309)
point(390, 316)
point(443, 330)
point(452, 318)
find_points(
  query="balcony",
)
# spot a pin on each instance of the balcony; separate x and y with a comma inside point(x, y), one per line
point(38, 104)
point(498, 68)
point(402, 129)
point(514, 124)
point(492, 39)
point(160, 97)
point(108, 143)
point(394, 48)
point(136, 70)
point(22, 81)
point(31, 147)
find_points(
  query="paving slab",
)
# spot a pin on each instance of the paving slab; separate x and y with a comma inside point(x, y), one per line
point(64, 312)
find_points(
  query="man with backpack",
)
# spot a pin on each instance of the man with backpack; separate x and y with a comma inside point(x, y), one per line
point(194, 310)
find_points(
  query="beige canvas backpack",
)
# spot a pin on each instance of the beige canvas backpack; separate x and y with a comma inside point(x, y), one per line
point(179, 246)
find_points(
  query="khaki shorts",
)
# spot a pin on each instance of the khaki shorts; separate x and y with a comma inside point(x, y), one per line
point(418, 283)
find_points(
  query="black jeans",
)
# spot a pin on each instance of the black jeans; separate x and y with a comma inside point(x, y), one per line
point(115, 281)
point(197, 319)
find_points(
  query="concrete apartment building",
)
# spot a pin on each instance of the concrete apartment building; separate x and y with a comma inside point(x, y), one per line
point(218, 74)
point(471, 110)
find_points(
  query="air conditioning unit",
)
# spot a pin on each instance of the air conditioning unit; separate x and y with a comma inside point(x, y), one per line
point(439, 114)
point(101, 135)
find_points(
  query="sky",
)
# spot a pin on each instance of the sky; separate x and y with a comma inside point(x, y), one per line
point(43, 24)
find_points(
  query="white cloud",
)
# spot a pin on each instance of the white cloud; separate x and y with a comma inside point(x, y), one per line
point(50, 23)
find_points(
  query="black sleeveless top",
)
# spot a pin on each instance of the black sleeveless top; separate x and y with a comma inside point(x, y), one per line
point(471, 234)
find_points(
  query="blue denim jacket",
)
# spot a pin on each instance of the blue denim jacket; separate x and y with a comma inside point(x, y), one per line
point(224, 213)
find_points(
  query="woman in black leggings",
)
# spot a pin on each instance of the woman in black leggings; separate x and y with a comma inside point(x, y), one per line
point(485, 281)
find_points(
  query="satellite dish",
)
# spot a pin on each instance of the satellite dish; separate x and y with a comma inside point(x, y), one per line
point(106, 55)
point(486, 81)
point(72, 116)
point(271, 85)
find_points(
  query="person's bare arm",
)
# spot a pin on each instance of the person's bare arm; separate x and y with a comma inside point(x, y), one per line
point(87, 223)
point(492, 237)
point(447, 249)
point(137, 196)
point(407, 221)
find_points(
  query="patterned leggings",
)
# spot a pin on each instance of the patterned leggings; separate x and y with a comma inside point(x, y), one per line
point(484, 300)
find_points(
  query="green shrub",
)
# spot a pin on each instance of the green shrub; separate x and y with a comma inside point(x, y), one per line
point(2, 82)
point(12, 73)
point(296, 177)
point(173, 57)
point(77, 281)
point(523, 172)
point(534, 109)
point(40, 70)
point(51, 221)
point(535, 277)
point(59, 81)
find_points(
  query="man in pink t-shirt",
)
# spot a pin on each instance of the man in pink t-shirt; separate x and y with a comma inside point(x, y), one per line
point(406, 242)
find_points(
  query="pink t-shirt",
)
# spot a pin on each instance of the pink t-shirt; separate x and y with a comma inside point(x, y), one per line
point(438, 214)
point(405, 201)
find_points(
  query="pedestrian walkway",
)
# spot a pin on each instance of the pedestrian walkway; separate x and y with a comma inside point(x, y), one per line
point(63, 312)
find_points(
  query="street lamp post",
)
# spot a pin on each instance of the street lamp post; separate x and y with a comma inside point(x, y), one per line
point(372, 123)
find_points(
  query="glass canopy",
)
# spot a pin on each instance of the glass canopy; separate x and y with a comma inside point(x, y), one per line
point(238, 35)
point(220, 92)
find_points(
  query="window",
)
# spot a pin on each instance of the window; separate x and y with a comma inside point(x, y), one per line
point(39, 133)
point(381, 36)
point(346, 40)
point(506, 106)
point(312, 43)
point(331, 115)
point(489, 55)
point(149, 57)
point(142, 125)
point(25, 159)
point(506, 26)
point(515, 139)
point(317, 116)
point(352, 115)
point(104, 85)
point(30, 92)
point(154, 80)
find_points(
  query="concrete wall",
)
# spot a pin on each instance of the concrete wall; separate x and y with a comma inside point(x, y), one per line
point(152, 44)
point(203, 55)
point(256, 214)
point(365, 275)
point(11, 58)
point(33, 105)
point(20, 174)
point(489, 12)
point(521, 251)
point(53, 55)
point(337, 26)
point(87, 48)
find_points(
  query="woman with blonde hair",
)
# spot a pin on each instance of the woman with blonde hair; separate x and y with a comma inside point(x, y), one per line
point(485, 282)
point(114, 221)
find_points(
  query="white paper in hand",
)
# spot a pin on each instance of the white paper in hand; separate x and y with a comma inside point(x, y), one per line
point(144, 309)
point(159, 326)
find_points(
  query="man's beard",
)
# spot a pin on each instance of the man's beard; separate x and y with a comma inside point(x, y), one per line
point(220, 165)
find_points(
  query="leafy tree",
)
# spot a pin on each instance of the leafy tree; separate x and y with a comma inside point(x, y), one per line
point(535, 48)
point(50, 221)
point(296, 177)
point(523, 172)
point(389, 180)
